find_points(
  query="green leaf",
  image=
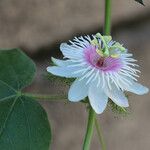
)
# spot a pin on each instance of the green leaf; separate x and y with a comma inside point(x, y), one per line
point(23, 122)
point(140, 1)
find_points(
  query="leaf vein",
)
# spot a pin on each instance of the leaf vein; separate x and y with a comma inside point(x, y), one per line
point(8, 97)
point(28, 124)
point(8, 115)
point(10, 140)
point(7, 85)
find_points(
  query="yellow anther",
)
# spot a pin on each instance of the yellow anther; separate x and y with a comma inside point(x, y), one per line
point(115, 55)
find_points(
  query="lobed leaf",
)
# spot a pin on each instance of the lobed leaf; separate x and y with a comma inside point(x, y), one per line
point(23, 122)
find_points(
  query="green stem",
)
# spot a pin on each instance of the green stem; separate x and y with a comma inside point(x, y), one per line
point(46, 97)
point(89, 130)
point(99, 132)
point(107, 26)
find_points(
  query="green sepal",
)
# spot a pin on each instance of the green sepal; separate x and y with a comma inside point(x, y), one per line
point(117, 109)
point(52, 78)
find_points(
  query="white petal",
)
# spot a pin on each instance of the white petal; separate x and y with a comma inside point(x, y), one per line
point(67, 72)
point(71, 52)
point(137, 88)
point(117, 96)
point(59, 62)
point(134, 87)
point(98, 99)
point(78, 90)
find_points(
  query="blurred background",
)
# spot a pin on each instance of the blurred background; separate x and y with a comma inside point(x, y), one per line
point(39, 26)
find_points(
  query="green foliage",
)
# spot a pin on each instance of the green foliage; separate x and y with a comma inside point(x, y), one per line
point(117, 109)
point(140, 1)
point(64, 80)
point(23, 122)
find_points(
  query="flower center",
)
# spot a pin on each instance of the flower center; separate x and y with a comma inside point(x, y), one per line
point(101, 63)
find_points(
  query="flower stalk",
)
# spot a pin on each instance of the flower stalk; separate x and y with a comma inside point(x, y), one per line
point(89, 130)
point(100, 136)
point(107, 26)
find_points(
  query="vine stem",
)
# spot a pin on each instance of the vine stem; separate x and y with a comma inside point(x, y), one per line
point(89, 130)
point(107, 26)
point(45, 97)
point(99, 132)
